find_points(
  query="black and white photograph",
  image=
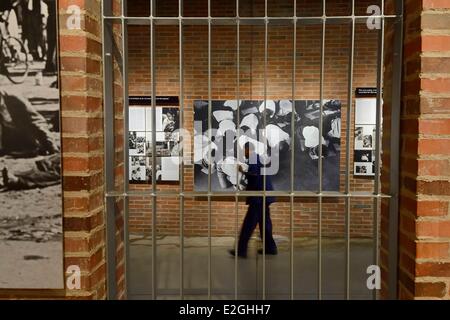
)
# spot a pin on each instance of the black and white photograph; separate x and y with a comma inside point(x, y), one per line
point(363, 155)
point(136, 143)
point(138, 161)
point(137, 173)
point(132, 140)
point(167, 144)
point(364, 168)
point(170, 119)
point(30, 147)
point(364, 137)
point(267, 125)
point(163, 149)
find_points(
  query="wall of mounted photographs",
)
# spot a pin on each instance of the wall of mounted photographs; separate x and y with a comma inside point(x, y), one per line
point(140, 144)
point(217, 153)
point(365, 127)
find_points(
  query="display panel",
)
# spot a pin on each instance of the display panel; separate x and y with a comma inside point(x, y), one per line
point(141, 144)
point(269, 132)
point(365, 136)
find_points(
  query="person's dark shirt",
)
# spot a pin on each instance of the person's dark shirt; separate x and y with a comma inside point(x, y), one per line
point(255, 182)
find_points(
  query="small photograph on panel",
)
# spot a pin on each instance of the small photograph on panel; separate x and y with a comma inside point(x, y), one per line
point(137, 173)
point(363, 168)
point(363, 156)
point(148, 170)
point(136, 143)
point(137, 161)
point(132, 140)
point(364, 137)
point(170, 119)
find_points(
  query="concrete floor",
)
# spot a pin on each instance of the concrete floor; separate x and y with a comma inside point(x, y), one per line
point(250, 270)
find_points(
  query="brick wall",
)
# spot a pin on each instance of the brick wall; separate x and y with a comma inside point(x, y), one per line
point(424, 227)
point(224, 85)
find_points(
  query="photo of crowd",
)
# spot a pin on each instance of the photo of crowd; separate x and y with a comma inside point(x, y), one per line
point(268, 126)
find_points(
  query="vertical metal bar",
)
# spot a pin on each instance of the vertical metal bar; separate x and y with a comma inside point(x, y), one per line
point(125, 137)
point(320, 162)
point(294, 67)
point(108, 105)
point(394, 151)
point(238, 82)
point(380, 63)
point(347, 153)
point(181, 75)
point(210, 133)
point(266, 49)
point(154, 190)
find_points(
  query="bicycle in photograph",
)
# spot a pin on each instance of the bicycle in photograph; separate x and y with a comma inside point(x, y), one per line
point(13, 56)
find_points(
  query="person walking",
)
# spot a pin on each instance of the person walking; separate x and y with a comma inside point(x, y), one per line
point(255, 211)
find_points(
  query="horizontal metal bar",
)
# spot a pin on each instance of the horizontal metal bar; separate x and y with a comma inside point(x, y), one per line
point(246, 21)
point(297, 194)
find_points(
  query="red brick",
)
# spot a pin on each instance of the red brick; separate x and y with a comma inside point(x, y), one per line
point(437, 229)
point(436, 4)
point(434, 167)
point(436, 85)
point(437, 43)
point(434, 146)
point(433, 269)
point(433, 250)
point(430, 289)
point(432, 208)
point(434, 126)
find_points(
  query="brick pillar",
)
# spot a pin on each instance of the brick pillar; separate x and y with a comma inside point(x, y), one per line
point(433, 165)
point(82, 148)
point(424, 226)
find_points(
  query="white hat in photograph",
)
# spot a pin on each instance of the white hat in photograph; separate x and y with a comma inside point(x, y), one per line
point(221, 115)
point(275, 135)
point(233, 104)
point(311, 135)
point(269, 105)
point(224, 126)
point(285, 107)
point(250, 121)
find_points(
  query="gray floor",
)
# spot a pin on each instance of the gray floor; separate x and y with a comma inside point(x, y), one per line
point(250, 270)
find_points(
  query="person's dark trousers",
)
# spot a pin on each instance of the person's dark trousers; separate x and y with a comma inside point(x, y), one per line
point(253, 217)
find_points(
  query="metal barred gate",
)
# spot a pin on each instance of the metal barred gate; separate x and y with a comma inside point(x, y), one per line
point(118, 193)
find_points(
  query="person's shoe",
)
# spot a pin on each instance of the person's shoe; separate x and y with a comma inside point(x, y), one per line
point(268, 252)
point(233, 253)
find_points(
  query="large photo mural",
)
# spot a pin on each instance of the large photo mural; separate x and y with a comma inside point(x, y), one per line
point(30, 147)
point(268, 126)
